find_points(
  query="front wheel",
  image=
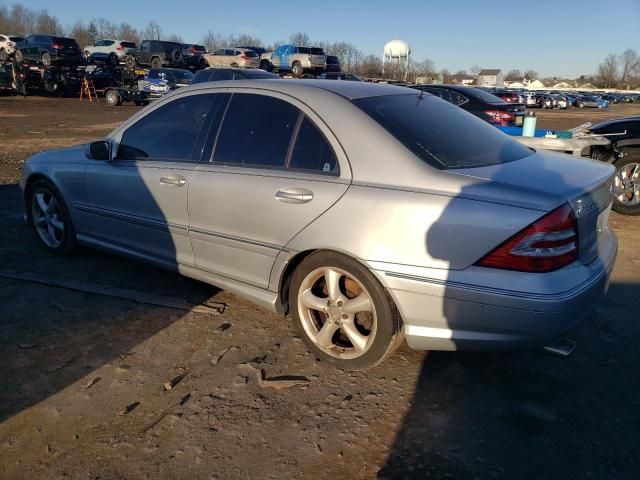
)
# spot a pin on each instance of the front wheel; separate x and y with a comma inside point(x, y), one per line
point(50, 218)
point(341, 311)
point(626, 185)
point(112, 98)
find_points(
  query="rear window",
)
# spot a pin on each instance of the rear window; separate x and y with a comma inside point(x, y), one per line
point(250, 53)
point(484, 96)
point(67, 42)
point(199, 48)
point(442, 135)
point(128, 44)
point(305, 50)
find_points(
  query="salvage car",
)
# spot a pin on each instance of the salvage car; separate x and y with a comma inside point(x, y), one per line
point(107, 47)
point(295, 59)
point(8, 46)
point(215, 74)
point(232, 57)
point(48, 50)
point(467, 240)
point(478, 102)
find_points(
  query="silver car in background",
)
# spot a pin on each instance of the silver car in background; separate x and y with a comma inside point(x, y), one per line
point(371, 213)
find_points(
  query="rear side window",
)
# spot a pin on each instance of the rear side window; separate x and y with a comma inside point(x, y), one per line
point(312, 151)
point(256, 131)
point(442, 135)
point(316, 51)
point(172, 131)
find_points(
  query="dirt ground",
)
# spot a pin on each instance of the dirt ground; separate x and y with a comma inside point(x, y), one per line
point(82, 390)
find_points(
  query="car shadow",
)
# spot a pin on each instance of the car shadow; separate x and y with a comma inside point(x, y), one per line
point(52, 337)
point(521, 414)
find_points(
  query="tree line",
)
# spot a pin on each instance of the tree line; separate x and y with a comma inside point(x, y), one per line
point(616, 70)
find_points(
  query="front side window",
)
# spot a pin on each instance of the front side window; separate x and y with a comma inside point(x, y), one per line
point(256, 131)
point(171, 132)
point(442, 135)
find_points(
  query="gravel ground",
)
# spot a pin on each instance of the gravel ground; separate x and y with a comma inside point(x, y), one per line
point(99, 387)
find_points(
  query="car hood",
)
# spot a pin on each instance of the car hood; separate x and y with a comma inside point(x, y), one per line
point(74, 154)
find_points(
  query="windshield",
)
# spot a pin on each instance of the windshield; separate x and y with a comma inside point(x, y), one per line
point(441, 134)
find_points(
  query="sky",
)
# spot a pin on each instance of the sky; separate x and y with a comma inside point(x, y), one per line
point(564, 38)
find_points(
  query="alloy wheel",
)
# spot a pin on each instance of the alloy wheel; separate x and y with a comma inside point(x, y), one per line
point(48, 217)
point(337, 313)
point(626, 185)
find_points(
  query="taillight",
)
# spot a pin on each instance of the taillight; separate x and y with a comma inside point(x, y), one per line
point(193, 50)
point(549, 243)
point(120, 48)
point(498, 116)
point(57, 46)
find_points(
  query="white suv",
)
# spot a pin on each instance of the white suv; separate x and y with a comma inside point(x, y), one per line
point(8, 45)
point(108, 46)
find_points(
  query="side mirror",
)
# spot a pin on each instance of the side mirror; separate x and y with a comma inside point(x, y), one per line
point(100, 150)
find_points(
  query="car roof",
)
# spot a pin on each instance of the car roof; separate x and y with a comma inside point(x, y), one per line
point(348, 90)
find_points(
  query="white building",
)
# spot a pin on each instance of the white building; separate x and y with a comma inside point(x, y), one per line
point(491, 78)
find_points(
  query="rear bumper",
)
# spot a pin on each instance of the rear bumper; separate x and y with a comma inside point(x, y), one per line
point(443, 315)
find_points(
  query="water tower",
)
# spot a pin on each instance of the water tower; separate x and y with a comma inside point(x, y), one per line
point(400, 51)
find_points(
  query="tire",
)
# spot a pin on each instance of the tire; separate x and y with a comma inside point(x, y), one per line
point(156, 63)
point(296, 69)
point(377, 328)
point(19, 56)
point(112, 98)
point(112, 59)
point(627, 185)
point(266, 65)
point(4, 56)
point(46, 59)
point(581, 105)
point(130, 62)
point(63, 240)
point(234, 65)
point(87, 56)
point(176, 56)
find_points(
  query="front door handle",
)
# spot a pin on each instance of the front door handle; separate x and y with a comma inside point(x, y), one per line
point(177, 180)
point(294, 195)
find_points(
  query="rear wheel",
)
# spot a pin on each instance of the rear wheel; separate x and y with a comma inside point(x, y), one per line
point(266, 65)
point(46, 59)
point(297, 69)
point(342, 312)
point(626, 185)
point(50, 218)
point(130, 61)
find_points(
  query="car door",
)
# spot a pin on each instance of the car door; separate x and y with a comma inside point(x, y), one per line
point(276, 56)
point(138, 201)
point(272, 172)
point(145, 51)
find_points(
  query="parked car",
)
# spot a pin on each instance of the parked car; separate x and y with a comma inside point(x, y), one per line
point(333, 64)
point(213, 74)
point(172, 78)
point(110, 48)
point(624, 154)
point(340, 76)
point(156, 54)
point(294, 59)
point(479, 102)
point(258, 50)
point(592, 101)
point(8, 46)
point(530, 100)
point(562, 101)
point(294, 204)
point(48, 50)
point(192, 56)
point(233, 57)
point(508, 96)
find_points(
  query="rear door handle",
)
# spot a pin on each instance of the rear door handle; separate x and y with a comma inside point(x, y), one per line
point(294, 195)
point(177, 180)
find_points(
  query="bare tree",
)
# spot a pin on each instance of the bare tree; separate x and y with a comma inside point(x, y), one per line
point(47, 24)
point(629, 65)
point(474, 70)
point(248, 40)
point(80, 32)
point(152, 31)
point(126, 31)
point(300, 38)
point(531, 75)
point(370, 66)
point(211, 41)
point(608, 71)
point(105, 28)
point(514, 73)
point(175, 38)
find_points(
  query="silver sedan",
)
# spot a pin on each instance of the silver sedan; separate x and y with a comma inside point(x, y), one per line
point(370, 213)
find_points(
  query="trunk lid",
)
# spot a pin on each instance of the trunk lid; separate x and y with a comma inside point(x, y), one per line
point(546, 180)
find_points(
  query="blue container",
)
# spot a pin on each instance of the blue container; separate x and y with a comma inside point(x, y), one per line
point(529, 125)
